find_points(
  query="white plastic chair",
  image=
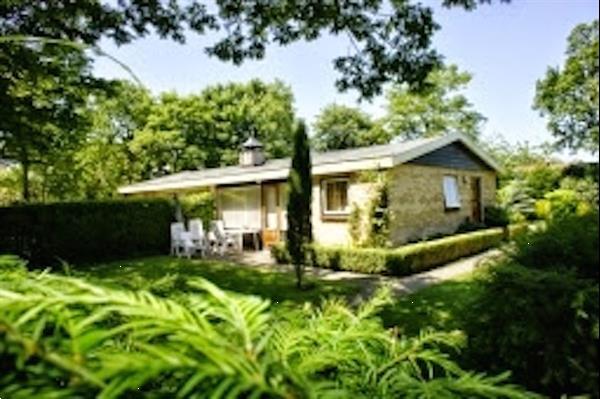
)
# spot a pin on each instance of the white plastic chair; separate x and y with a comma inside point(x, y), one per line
point(187, 244)
point(220, 240)
point(176, 241)
point(198, 236)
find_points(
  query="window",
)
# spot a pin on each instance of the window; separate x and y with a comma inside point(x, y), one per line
point(334, 194)
point(451, 193)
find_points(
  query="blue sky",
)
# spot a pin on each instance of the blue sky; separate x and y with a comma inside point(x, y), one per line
point(506, 47)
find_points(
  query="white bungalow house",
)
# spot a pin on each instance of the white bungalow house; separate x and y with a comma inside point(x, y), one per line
point(435, 185)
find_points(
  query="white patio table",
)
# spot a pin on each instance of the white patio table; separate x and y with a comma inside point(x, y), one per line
point(239, 233)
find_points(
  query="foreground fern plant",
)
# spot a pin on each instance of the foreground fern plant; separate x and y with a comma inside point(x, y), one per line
point(62, 337)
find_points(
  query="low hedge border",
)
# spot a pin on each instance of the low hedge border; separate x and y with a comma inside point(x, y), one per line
point(405, 260)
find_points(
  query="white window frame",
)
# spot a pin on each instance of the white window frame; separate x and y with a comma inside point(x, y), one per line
point(324, 187)
point(451, 192)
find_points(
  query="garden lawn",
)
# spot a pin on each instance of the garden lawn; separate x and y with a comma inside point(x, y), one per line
point(440, 306)
point(166, 276)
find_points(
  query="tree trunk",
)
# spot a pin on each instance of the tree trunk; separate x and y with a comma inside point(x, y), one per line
point(298, 270)
point(25, 178)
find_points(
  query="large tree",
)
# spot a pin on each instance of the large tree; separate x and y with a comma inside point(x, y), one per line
point(214, 123)
point(438, 109)
point(41, 105)
point(338, 127)
point(568, 96)
point(299, 234)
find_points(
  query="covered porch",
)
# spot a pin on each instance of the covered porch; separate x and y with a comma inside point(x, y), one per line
point(256, 213)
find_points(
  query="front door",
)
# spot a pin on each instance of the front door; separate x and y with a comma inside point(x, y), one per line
point(476, 214)
point(271, 214)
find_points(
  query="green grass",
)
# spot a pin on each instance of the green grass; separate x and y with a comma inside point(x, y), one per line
point(167, 275)
point(440, 306)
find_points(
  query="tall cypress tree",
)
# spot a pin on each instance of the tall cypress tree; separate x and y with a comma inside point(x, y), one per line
point(300, 190)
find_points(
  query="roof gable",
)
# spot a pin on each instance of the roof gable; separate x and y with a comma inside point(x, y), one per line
point(454, 155)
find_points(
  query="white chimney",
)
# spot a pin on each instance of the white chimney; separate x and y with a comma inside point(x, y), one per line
point(252, 153)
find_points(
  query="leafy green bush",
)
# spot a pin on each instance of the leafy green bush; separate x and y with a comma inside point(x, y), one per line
point(586, 189)
point(496, 216)
point(85, 231)
point(401, 261)
point(541, 325)
point(468, 226)
point(92, 341)
point(518, 199)
point(561, 203)
point(569, 242)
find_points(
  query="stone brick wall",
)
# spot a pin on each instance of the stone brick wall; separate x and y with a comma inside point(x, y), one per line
point(328, 231)
point(417, 200)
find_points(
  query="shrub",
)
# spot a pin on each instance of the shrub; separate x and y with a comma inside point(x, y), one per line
point(560, 203)
point(85, 231)
point(541, 325)
point(468, 226)
point(586, 189)
point(496, 216)
point(569, 242)
point(518, 199)
point(404, 260)
point(109, 343)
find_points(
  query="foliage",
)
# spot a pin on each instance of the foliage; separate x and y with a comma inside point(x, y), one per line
point(134, 136)
point(108, 343)
point(496, 216)
point(405, 260)
point(105, 159)
point(583, 170)
point(540, 177)
point(541, 325)
point(42, 90)
point(391, 42)
point(199, 205)
point(517, 198)
point(569, 96)
point(436, 110)
point(378, 222)
point(568, 241)
point(85, 231)
point(339, 127)
point(369, 227)
point(468, 225)
point(585, 188)
point(561, 203)
point(299, 233)
point(9, 185)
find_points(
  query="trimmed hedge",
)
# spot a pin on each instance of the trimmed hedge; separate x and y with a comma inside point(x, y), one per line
point(402, 261)
point(46, 234)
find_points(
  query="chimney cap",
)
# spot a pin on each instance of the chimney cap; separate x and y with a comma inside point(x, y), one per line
point(251, 143)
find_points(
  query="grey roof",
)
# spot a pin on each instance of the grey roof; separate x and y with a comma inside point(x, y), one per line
point(252, 142)
point(280, 167)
